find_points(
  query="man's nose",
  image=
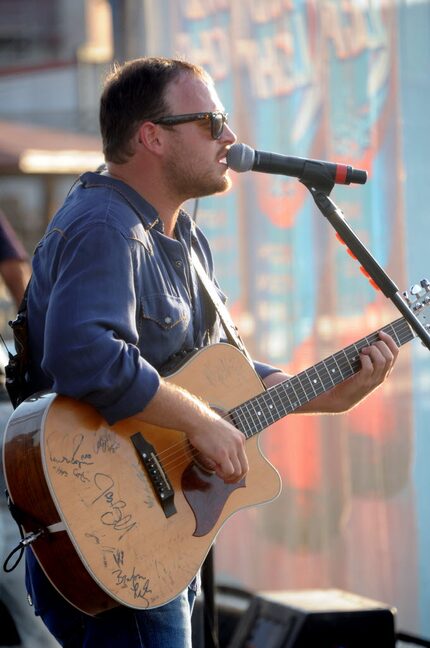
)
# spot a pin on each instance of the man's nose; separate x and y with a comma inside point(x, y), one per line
point(228, 135)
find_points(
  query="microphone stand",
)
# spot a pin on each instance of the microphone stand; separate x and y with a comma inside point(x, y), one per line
point(320, 184)
point(210, 614)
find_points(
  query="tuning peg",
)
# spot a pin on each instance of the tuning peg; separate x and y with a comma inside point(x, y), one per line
point(425, 283)
point(408, 298)
point(418, 290)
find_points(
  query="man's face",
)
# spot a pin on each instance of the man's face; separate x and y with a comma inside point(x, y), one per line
point(195, 162)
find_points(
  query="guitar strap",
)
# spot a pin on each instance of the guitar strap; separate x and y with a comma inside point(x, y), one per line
point(230, 328)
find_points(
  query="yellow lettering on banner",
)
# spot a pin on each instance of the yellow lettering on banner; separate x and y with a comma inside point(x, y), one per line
point(378, 36)
point(278, 64)
point(264, 11)
point(198, 9)
point(279, 257)
point(272, 284)
point(213, 53)
point(331, 28)
point(352, 29)
point(271, 66)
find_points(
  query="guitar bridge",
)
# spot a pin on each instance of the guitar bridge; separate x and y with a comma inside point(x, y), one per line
point(159, 480)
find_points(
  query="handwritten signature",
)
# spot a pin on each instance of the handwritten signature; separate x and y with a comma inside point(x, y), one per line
point(81, 475)
point(139, 585)
point(115, 516)
point(106, 442)
point(73, 459)
point(117, 555)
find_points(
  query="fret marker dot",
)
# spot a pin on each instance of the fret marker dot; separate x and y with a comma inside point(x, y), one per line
point(315, 381)
point(333, 370)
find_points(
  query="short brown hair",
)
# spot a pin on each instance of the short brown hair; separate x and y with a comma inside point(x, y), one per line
point(133, 92)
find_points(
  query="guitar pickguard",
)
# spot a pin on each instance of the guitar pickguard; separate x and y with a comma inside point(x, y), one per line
point(206, 494)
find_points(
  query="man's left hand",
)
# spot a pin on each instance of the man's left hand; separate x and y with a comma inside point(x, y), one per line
point(377, 361)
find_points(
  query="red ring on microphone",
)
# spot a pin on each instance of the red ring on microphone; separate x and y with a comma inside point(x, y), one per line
point(341, 173)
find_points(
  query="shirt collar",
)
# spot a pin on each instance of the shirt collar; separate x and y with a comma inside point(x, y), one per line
point(147, 213)
point(186, 227)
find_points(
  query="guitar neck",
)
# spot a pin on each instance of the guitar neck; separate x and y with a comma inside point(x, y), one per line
point(270, 406)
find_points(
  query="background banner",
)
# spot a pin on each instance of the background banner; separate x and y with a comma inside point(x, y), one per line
point(348, 82)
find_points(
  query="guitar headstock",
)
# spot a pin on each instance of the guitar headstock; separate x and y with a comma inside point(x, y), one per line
point(418, 299)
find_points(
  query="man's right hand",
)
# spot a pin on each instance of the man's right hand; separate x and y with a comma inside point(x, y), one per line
point(220, 445)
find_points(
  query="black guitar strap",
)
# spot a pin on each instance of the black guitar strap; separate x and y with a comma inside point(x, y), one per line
point(16, 370)
point(230, 328)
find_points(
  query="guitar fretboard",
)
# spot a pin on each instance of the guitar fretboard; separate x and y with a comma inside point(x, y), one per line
point(254, 415)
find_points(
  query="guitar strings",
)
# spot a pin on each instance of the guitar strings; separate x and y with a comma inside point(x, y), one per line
point(176, 451)
point(173, 456)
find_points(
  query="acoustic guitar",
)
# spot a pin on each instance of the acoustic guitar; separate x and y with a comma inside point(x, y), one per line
point(125, 514)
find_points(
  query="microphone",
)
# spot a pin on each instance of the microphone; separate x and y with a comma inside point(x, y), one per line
point(241, 157)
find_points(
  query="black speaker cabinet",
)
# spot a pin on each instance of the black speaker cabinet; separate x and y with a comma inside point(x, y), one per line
point(231, 603)
point(315, 619)
point(8, 633)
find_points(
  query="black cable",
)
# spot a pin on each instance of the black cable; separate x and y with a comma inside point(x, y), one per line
point(412, 639)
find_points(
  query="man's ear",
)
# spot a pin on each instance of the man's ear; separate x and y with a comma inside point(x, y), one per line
point(151, 137)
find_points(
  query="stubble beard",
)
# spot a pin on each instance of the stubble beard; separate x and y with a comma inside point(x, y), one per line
point(187, 182)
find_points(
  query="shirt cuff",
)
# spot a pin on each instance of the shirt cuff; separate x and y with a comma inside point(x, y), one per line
point(136, 398)
point(265, 370)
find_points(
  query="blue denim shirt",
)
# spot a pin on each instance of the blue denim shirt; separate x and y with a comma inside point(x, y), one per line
point(112, 298)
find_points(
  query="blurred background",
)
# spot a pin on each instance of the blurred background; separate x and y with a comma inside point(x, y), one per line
point(342, 80)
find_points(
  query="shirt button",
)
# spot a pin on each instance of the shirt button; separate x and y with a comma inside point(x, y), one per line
point(178, 263)
point(167, 320)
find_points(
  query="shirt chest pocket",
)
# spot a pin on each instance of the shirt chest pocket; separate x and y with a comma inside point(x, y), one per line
point(164, 327)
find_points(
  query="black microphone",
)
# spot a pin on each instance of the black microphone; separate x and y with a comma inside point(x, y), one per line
point(241, 157)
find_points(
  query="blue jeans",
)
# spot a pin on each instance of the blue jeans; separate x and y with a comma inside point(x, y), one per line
point(168, 626)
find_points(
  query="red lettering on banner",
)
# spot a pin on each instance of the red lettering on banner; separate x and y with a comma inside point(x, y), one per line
point(280, 207)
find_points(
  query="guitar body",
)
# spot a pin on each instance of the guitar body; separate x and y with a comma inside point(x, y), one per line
point(112, 541)
point(128, 513)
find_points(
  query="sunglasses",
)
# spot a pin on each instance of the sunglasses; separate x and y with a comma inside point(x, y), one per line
point(217, 120)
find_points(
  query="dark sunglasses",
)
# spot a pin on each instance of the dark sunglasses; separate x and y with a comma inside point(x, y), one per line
point(217, 120)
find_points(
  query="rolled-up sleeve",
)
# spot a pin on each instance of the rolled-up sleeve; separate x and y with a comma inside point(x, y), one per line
point(91, 337)
point(264, 370)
